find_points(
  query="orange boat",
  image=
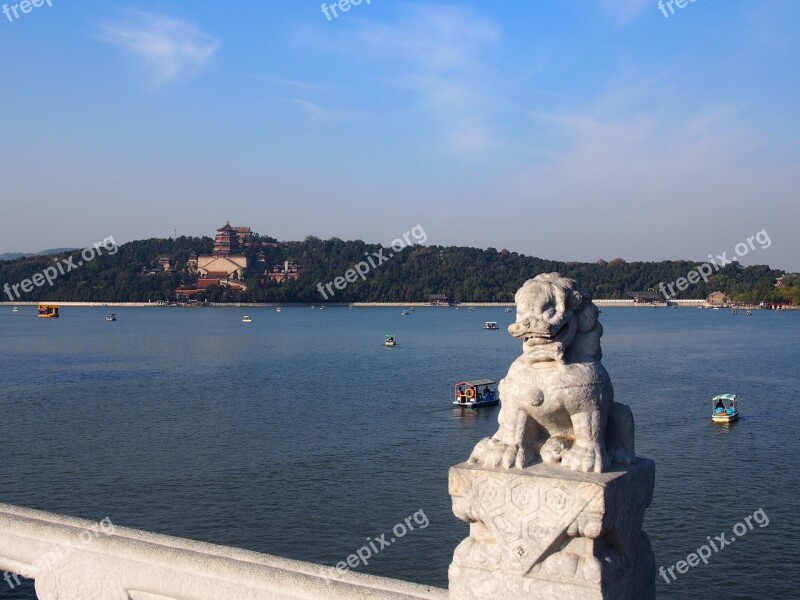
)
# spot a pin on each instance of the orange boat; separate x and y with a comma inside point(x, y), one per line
point(47, 311)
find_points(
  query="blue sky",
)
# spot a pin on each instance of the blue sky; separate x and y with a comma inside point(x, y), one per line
point(567, 130)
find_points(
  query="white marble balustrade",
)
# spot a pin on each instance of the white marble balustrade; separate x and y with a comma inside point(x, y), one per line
point(117, 563)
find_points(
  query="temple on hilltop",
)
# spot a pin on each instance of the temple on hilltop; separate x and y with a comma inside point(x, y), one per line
point(226, 241)
point(236, 250)
point(227, 264)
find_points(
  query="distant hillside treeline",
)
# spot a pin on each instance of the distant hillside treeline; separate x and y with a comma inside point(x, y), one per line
point(463, 274)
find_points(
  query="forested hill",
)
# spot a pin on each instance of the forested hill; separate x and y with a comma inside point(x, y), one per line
point(463, 274)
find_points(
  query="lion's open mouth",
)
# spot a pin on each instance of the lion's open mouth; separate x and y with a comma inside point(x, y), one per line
point(539, 339)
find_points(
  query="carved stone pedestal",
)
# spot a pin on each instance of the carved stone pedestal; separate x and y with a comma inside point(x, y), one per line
point(546, 532)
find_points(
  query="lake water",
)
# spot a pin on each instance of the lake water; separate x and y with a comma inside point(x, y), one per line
point(300, 434)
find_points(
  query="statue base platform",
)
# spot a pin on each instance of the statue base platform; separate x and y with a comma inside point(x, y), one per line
point(545, 532)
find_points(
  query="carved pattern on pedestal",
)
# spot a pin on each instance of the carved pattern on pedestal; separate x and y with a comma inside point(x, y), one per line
point(532, 528)
point(527, 520)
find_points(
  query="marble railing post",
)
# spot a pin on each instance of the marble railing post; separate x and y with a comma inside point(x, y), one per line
point(541, 533)
point(556, 498)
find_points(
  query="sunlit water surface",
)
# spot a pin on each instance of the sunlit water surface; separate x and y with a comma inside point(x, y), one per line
point(300, 434)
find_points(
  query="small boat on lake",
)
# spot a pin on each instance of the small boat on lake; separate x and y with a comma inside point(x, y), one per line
point(507, 310)
point(247, 319)
point(111, 317)
point(479, 392)
point(722, 413)
point(15, 309)
point(471, 309)
point(749, 313)
point(491, 325)
point(404, 313)
point(279, 309)
point(390, 341)
point(47, 311)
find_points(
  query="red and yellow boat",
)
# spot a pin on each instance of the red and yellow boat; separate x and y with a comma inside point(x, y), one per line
point(47, 311)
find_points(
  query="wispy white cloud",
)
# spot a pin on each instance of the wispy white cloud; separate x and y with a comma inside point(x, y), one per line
point(314, 111)
point(172, 49)
point(664, 166)
point(624, 11)
point(439, 53)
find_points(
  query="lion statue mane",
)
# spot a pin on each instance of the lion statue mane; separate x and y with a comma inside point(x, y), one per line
point(557, 398)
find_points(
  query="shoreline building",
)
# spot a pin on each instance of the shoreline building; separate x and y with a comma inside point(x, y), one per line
point(227, 264)
point(236, 251)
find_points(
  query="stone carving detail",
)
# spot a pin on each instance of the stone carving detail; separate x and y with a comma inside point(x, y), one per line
point(556, 498)
point(536, 522)
point(557, 399)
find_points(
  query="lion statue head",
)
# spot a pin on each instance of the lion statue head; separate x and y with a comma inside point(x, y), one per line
point(557, 321)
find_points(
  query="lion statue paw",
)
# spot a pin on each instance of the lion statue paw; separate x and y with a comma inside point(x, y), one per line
point(493, 453)
point(587, 459)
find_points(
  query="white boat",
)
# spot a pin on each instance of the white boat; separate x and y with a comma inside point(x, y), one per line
point(724, 414)
point(390, 341)
point(247, 319)
point(475, 393)
point(15, 309)
point(507, 310)
point(749, 313)
point(111, 317)
point(279, 309)
point(491, 325)
point(404, 313)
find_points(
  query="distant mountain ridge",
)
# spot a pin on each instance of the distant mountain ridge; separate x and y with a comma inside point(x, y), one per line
point(16, 255)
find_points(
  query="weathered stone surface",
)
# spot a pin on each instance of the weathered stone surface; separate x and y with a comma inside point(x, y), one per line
point(556, 498)
point(127, 564)
point(557, 399)
point(544, 532)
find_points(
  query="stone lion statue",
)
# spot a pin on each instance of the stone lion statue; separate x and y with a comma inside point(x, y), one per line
point(557, 399)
